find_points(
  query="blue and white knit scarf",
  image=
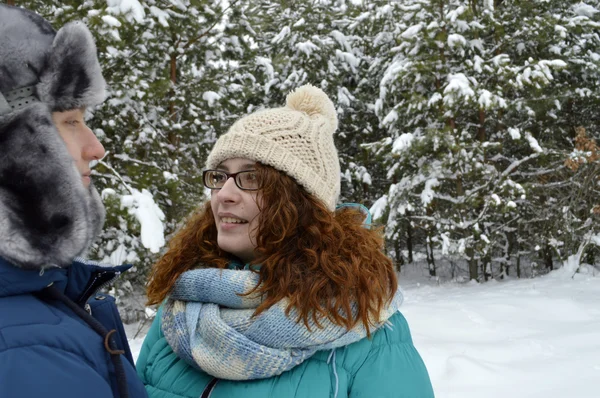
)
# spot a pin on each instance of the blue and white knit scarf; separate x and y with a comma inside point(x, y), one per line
point(211, 327)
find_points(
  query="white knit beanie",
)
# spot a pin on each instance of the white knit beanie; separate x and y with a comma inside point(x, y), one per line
point(296, 139)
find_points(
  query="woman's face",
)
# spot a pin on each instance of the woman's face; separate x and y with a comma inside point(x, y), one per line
point(236, 213)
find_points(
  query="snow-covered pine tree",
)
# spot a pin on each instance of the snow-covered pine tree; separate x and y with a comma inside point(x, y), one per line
point(552, 46)
point(458, 98)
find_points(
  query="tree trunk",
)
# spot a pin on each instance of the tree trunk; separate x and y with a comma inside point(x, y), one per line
point(399, 258)
point(459, 186)
point(430, 259)
point(452, 123)
point(510, 248)
point(481, 130)
point(485, 263)
point(409, 238)
point(548, 257)
point(474, 7)
point(473, 271)
point(10, 2)
point(518, 250)
point(173, 136)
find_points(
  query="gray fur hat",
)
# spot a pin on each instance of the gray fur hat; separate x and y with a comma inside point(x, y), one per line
point(47, 216)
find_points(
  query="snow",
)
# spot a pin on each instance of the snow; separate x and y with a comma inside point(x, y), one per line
point(284, 32)
point(341, 39)
point(367, 179)
point(531, 338)
point(211, 97)
point(585, 10)
point(527, 338)
point(458, 84)
point(533, 143)
point(121, 256)
point(435, 98)
point(347, 58)
point(497, 200)
point(170, 176)
point(456, 40)
point(379, 207)
point(131, 8)
point(266, 63)
point(307, 47)
point(515, 134)
point(300, 22)
point(561, 30)
point(344, 96)
point(428, 194)
point(403, 142)
point(412, 31)
point(161, 15)
point(454, 14)
point(136, 333)
point(111, 21)
point(485, 99)
point(390, 118)
point(150, 217)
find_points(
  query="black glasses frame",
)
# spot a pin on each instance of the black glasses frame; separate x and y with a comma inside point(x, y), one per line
point(229, 175)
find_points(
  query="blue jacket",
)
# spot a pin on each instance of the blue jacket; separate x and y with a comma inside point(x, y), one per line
point(48, 351)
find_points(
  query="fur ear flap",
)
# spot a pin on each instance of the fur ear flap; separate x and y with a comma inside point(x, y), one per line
point(72, 77)
point(47, 216)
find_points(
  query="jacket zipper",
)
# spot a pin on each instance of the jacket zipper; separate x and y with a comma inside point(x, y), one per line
point(93, 285)
point(209, 388)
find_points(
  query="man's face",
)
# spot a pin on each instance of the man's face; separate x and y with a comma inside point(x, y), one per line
point(81, 142)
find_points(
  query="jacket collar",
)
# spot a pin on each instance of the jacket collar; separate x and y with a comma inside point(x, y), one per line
point(78, 281)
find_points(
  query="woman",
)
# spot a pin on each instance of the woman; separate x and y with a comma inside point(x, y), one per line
point(271, 292)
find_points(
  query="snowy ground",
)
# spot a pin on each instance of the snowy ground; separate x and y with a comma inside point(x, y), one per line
point(521, 338)
point(136, 334)
point(533, 338)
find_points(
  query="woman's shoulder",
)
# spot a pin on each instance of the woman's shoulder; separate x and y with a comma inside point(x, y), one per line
point(394, 333)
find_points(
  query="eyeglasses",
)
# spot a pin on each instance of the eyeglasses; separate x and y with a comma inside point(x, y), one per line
point(246, 180)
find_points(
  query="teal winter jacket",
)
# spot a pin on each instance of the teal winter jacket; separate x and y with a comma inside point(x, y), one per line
point(385, 366)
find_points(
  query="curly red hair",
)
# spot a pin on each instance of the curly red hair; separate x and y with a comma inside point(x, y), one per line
point(322, 262)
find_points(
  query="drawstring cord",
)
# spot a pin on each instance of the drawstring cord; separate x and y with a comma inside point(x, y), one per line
point(337, 381)
point(53, 293)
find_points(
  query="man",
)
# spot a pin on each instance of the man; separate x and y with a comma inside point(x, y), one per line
point(59, 337)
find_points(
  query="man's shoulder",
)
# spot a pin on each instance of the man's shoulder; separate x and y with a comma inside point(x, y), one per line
point(28, 321)
point(24, 309)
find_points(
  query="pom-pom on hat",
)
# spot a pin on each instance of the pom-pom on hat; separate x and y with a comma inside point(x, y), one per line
point(296, 139)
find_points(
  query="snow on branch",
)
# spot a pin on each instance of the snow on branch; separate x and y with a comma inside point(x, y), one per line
point(142, 206)
point(132, 9)
point(517, 163)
